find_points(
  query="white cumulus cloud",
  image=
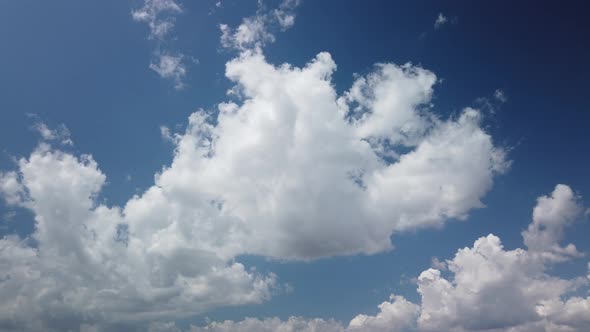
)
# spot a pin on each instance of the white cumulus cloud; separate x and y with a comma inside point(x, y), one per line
point(89, 266)
point(488, 288)
point(291, 171)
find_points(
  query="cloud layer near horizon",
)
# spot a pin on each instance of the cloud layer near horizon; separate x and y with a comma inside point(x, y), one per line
point(290, 170)
point(482, 288)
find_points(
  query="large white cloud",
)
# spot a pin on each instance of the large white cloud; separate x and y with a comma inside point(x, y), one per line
point(491, 288)
point(488, 288)
point(82, 265)
point(290, 170)
point(294, 174)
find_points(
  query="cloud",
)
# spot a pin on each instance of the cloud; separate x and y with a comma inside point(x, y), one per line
point(11, 188)
point(271, 325)
point(218, 5)
point(292, 171)
point(394, 315)
point(492, 103)
point(487, 288)
point(500, 95)
point(167, 135)
point(61, 134)
point(159, 15)
point(256, 31)
point(8, 216)
point(551, 215)
point(170, 66)
point(440, 21)
point(309, 162)
point(284, 14)
point(437, 264)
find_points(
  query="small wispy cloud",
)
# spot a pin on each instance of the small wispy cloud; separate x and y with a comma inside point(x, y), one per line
point(160, 16)
point(60, 134)
point(492, 102)
point(9, 216)
point(218, 5)
point(500, 95)
point(440, 21)
point(438, 264)
point(256, 31)
point(167, 135)
point(170, 66)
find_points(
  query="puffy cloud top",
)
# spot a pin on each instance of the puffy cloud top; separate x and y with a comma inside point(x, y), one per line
point(486, 288)
point(291, 170)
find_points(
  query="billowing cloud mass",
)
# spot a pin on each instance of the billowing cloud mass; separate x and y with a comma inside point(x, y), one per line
point(487, 288)
point(85, 263)
point(309, 168)
point(291, 170)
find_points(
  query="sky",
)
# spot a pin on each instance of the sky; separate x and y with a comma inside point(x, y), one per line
point(294, 165)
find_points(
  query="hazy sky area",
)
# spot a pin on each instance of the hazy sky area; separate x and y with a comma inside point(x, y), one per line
point(294, 165)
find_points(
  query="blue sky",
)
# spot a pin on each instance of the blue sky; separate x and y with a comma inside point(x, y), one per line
point(310, 244)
